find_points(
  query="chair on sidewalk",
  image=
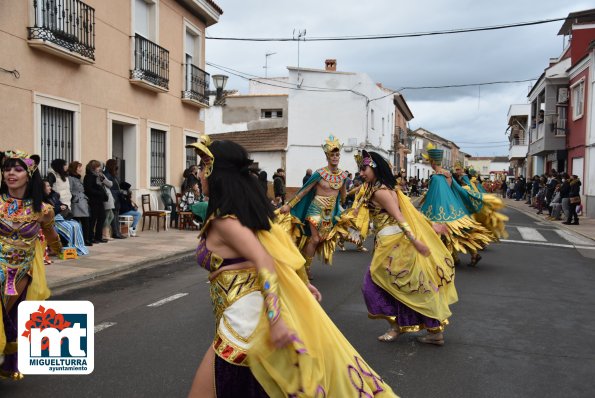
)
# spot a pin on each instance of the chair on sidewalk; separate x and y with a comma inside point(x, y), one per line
point(168, 202)
point(148, 212)
point(184, 217)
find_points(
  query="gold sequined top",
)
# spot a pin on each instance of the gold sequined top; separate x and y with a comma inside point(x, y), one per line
point(378, 215)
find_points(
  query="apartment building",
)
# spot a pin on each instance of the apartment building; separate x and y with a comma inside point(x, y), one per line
point(119, 79)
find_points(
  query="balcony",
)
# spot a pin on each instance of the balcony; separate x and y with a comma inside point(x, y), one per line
point(151, 65)
point(196, 86)
point(65, 28)
point(518, 148)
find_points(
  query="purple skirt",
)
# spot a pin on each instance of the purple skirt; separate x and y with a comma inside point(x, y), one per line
point(383, 305)
point(232, 381)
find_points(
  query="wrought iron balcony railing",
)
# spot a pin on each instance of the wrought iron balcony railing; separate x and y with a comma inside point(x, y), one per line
point(68, 23)
point(518, 141)
point(151, 62)
point(196, 84)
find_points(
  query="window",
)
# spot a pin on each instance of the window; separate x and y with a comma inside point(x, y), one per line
point(157, 157)
point(578, 100)
point(145, 16)
point(271, 113)
point(57, 135)
point(191, 157)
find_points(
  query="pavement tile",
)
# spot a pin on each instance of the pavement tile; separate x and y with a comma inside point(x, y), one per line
point(120, 255)
point(585, 228)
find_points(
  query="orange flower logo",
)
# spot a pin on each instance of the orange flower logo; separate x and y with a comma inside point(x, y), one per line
point(43, 319)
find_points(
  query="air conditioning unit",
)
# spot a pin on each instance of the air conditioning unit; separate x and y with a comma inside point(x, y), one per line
point(562, 95)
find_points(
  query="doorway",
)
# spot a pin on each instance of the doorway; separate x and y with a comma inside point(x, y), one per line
point(124, 150)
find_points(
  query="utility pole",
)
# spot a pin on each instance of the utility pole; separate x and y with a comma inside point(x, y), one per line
point(301, 34)
point(266, 63)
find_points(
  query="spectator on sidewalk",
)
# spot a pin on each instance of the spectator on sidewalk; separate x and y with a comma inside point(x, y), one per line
point(111, 173)
point(79, 201)
point(307, 176)
point(68, 228)
point(97, 196)
point(279, 186)
point(263, 179)
point(565, 194)
point(58, 179)
point(574, 196)
point(128, 207)
point(108, 206)
point(552, 183)
point(540, 197)
point(555, 207)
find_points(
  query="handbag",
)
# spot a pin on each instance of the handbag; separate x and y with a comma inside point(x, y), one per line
point(575, 200)
point(67, 214)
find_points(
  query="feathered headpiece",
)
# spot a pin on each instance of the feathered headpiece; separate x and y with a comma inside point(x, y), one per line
point(433, 154)
point(202, 149)
point(332, 143)
point(25, 157)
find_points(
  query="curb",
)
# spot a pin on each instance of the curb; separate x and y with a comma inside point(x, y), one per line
point(540, 219)
point(97, 277)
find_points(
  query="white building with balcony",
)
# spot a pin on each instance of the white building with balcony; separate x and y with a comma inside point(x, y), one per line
point(518, 136)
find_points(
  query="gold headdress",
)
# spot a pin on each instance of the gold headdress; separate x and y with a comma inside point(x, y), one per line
point(25, 157)
point(202, 149)
point(331, 143)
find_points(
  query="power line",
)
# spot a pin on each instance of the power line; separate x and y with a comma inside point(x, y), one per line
point(294, 86)
point(395, 35)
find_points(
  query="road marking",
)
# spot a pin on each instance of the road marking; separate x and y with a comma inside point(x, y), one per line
point(548, 244)
point(577, 240)
point(103, 326)
point(167, 300)
point(531, 234)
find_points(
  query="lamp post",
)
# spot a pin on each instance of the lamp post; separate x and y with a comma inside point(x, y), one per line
point(219, 81)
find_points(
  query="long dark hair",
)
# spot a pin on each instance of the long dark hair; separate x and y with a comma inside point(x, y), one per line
point(58, 167)
point(233, 191)
point(34, 186)
point(382, 171)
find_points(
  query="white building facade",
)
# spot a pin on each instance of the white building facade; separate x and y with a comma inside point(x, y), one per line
point(350, 106)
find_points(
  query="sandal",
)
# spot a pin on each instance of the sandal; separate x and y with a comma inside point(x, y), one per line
point(390, 336)
point(475, 260)
point(6, 374)
point(428, 339)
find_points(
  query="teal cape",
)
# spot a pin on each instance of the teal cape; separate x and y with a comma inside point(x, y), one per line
point(472, 200)
point(442, 204)
point(466, 180)
point(301, 208)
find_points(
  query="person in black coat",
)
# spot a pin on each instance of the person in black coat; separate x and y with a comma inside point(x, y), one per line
point(111, 173)
point(574, 196)
point(97, 195)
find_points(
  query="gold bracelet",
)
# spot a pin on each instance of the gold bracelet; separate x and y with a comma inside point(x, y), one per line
point(270, 291)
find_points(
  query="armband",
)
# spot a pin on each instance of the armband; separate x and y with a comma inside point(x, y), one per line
point(270, 291)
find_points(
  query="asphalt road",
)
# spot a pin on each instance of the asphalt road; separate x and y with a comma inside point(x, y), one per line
point(523, 327)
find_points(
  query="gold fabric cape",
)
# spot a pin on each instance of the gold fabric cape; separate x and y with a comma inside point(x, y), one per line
point(424, 284)
point(321, 362)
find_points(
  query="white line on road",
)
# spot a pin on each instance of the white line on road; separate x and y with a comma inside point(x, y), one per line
point(531, 234)
point(167, 299)
point(525, 242)
point(103, 326)
point(577, 240)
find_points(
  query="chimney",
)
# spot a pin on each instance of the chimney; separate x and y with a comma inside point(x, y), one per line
point(330, 65)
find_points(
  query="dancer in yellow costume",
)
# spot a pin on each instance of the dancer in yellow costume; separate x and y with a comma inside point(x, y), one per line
point(317, 206)
point(410, 282)
point(22, 272)
point(487, 212)
point(442, 204)
point(272, 337)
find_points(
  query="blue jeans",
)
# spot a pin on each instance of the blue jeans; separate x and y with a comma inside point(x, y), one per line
point(135, 217)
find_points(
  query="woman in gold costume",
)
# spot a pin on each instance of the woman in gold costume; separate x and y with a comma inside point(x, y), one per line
point(22, 273)
point(410, 282)
point(272, 337)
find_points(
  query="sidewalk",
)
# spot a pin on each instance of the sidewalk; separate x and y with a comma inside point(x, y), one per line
point(586, 227)
point(119, 256)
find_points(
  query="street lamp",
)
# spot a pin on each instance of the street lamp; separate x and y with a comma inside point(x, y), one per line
point(219, 81)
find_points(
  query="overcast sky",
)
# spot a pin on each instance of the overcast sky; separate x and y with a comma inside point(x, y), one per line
point(473, 118)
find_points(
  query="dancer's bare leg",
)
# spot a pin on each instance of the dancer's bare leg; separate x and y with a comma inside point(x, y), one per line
point(203, 384)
